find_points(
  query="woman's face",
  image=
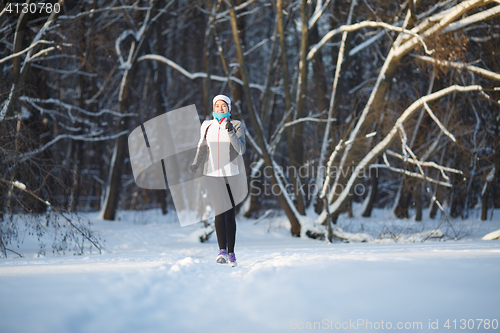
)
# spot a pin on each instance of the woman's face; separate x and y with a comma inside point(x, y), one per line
point(220, 106)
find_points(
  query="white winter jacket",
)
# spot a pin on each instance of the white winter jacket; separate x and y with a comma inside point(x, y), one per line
point(218, 148)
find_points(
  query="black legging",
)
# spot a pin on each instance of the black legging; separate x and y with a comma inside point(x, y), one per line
point(225, 226)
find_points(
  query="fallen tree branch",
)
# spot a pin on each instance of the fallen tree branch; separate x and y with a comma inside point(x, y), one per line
point(23, 188)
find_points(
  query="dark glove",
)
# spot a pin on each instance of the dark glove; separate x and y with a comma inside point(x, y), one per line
point(229, 126)
point(193, 168)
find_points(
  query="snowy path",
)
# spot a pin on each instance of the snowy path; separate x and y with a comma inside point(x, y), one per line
point(157, 280)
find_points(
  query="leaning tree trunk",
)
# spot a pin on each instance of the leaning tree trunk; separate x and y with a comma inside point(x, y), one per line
point(372, 194)
point(332, 107)
point(258, 126)
point(296, 150)
point(294, 134)
point(117, 161)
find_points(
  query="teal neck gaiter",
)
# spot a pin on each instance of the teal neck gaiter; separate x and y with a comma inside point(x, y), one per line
point(220, 116)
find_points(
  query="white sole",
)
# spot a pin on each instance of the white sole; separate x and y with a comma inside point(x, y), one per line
point(221, 260)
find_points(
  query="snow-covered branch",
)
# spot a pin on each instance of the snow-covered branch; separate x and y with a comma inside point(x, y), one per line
point(366, 24)
point(70, 107)
point(6, 103)
point(224, 13)
point(105, 9)
point(12, 56)
point(440, 22)
point(408, 173)
point(458, 65)
point(318, 11)
point(436, 120)
point(39, 35)
point(329, 167)
point(138, 35)
point(198, 75)
point(23, 188)
point(431, 164)
point(479, 17)
point(86, 137)
point(63, 71)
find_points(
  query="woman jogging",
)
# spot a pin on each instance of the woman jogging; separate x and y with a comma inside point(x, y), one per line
point(222, 139)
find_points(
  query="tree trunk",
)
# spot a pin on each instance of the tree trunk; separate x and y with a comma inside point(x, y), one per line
point(159, 96)
point(373, 192)
point(268, 96)
point(255, 185)
point(332, 107)
point(293, 150)
point(319, 72)
point(207, 66)
point(433, 208)
point(484, 202)
point(240, 23)
point(296, 150)
point(417, 195)
point(402, 207)
point(82, 84)
point(117, 161)
point(401, 47)
point(295, 230)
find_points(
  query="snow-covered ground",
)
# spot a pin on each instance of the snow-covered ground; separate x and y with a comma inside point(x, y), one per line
point(157, 277)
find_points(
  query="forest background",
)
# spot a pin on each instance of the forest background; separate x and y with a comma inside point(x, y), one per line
point(391, 103)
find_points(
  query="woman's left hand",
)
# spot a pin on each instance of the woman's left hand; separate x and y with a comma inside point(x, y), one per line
point(229, 126)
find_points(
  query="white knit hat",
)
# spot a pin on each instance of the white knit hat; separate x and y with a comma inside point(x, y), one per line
point(224, 98)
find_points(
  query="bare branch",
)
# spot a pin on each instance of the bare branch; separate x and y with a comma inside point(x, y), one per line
point(67, 106)
point(425, 164)
point(458, 65)
point(387, 165)
point(23, 188)
point(382, 145)
point(87, 137)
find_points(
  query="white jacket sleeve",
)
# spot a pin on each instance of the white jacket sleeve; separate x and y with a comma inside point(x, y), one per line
point(237, 137)
point(202, 148)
